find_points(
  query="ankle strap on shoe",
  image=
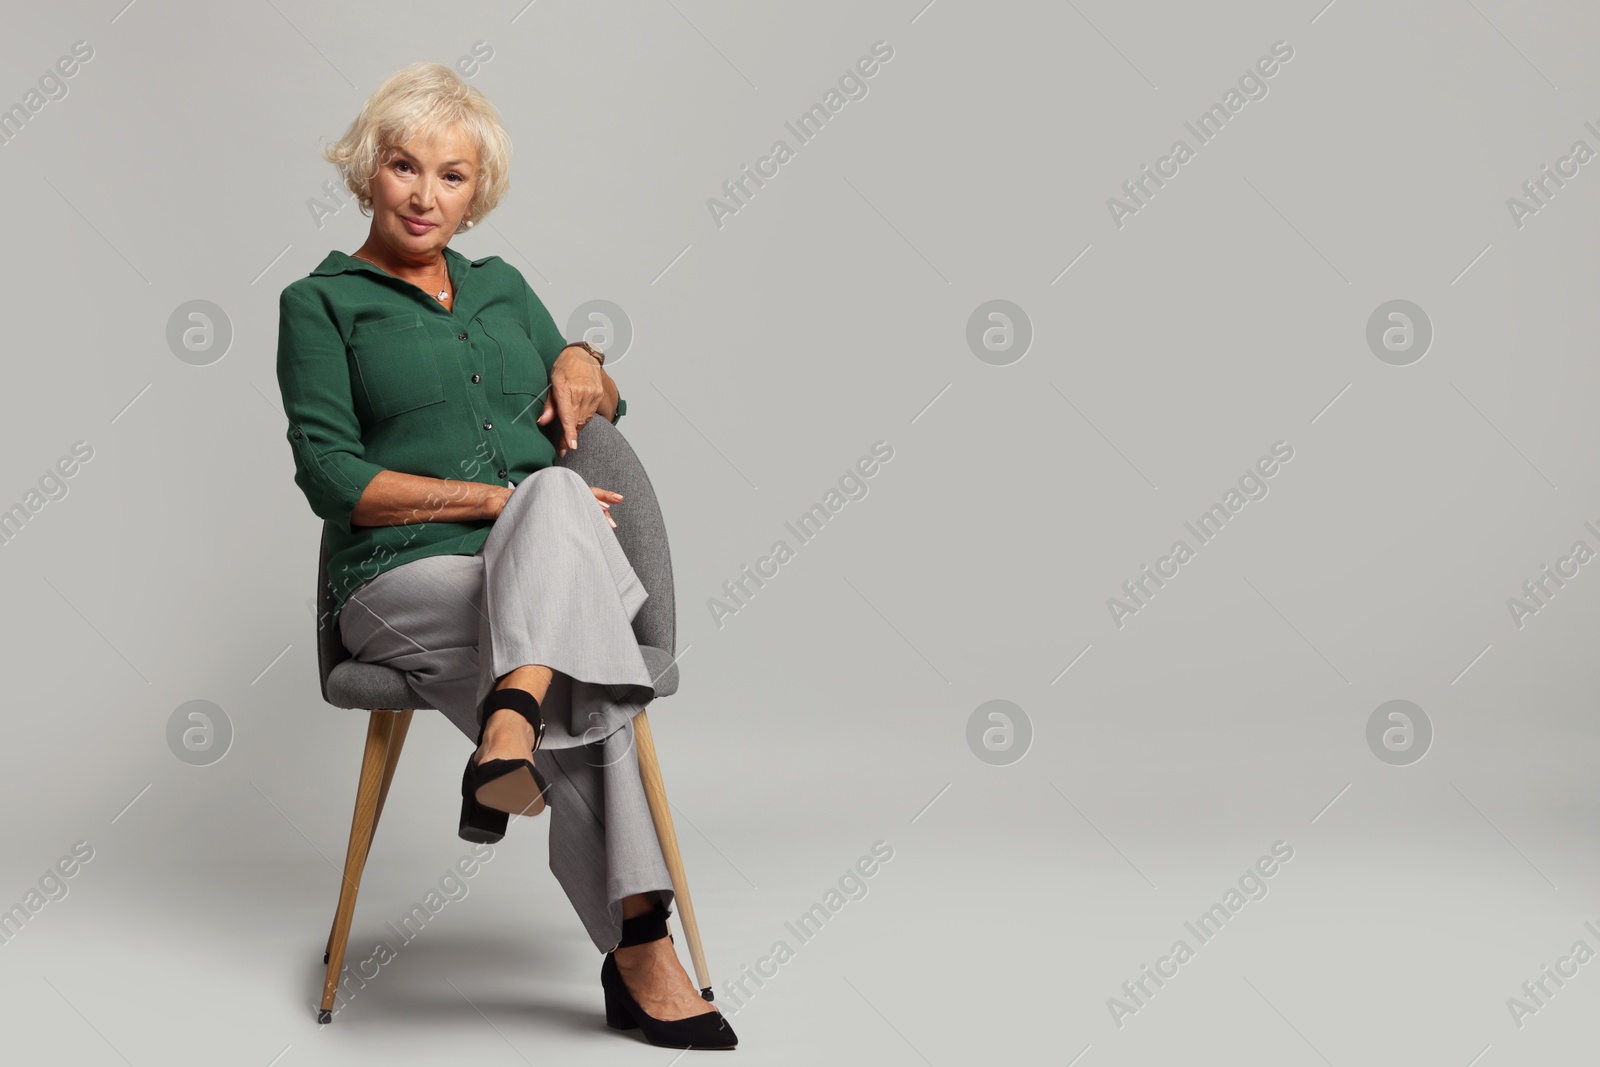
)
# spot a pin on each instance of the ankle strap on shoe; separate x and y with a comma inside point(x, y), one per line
point(650, 926)
point(518, 700)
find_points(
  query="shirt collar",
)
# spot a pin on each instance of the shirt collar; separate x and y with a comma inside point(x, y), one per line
point(337, 262)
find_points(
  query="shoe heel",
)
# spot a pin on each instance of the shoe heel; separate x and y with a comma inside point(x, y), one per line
point(480, 825)
point(617, 1015)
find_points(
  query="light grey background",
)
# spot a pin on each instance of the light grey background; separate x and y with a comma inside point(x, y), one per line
point(832, 711)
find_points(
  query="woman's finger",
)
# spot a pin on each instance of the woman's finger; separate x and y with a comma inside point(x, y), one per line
point(576, 401)
point(600, 496)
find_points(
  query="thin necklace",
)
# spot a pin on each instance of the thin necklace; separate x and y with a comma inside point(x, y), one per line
point(443, 294)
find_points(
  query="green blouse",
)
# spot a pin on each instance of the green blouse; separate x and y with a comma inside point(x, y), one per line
point(378, 375)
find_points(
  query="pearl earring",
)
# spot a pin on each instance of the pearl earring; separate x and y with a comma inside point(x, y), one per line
point(469, 224)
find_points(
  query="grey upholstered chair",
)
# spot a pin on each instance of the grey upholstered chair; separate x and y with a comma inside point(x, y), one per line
point(604, 458)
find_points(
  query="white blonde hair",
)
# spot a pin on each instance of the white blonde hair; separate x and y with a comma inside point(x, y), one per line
point(417, 100)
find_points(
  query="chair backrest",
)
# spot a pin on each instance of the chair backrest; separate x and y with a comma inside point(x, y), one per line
point(603, 458)
point(606, 459)
point(330, 646)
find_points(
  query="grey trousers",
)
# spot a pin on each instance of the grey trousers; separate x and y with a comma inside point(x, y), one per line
point(551, 585)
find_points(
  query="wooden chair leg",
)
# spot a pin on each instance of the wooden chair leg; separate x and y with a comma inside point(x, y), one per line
point(397, 740)
point(655, 792)
point(380, 727)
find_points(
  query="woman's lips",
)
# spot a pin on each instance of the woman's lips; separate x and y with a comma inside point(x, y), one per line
point(416, 226)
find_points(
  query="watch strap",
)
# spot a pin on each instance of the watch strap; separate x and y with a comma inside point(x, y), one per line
point(600, 357)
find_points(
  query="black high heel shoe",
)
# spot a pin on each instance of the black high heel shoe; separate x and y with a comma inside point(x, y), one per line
point(496, 789)
point(479, 824)
point(707, 1030)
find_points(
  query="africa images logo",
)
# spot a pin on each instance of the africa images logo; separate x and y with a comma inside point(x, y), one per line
point(1252, 486)
point(852, 86)
point(1205, 128)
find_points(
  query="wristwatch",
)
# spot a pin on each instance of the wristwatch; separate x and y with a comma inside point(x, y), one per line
point(599, 356)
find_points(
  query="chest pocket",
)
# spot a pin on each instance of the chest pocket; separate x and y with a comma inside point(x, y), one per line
point(522, 370)
point(397, 366)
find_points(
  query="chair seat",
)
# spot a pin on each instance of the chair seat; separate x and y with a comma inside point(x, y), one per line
point(368, 686)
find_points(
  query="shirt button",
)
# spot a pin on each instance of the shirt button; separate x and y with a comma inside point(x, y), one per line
point(462, 336)
point(487, 425)
point(502, 474)
point(297, 432)
point(476, 378)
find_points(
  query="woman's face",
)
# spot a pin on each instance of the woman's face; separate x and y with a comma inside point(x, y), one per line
point(422, 190)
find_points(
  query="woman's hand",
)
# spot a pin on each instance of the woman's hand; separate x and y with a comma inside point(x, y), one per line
point(606, 498)
point(497, 500)
point(577, 388)
point(394, 498)
point(501, 493)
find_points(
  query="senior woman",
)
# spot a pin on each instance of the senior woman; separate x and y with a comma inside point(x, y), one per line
point(419, 387)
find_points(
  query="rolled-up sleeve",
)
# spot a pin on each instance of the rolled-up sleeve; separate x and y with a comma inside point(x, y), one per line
point(324, 432)
point(547, 338)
